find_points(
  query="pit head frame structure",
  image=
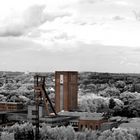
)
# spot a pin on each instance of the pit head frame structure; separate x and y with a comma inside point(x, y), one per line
point(40, 93)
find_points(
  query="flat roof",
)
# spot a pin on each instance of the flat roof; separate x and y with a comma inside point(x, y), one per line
point(84, 115)
point(58, 118)
point(10, 103)
point(66, 71)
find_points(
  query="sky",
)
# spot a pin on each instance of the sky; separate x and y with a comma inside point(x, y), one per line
point(82, 35)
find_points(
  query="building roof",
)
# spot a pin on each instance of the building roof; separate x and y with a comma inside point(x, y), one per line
point(10, 103)
point(84, 115)
point(66, 71)
point(118, 119)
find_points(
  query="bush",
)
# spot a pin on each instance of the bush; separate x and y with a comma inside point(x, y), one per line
point(56, 133)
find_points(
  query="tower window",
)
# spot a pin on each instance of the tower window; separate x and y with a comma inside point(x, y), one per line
point(81, 127)
point(90, 126)
point(97, 127)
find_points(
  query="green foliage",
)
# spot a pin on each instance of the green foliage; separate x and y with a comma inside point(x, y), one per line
point(114, 134)
point(25, 131)
point(92, 103)
point(117, 110)
point(111, 103)
point(18, 131)
point(127, 97)
point(7, 136)
point(120, 84)
point(118, 134)
point(56, 133)
point(80, 136)
point(110, 92)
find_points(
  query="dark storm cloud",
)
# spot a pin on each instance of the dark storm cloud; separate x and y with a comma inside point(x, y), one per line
point(32, 18)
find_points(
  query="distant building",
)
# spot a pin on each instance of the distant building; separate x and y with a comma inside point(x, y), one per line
point(11, 111)
point(78, 120)
point(51, 120)
point(85, 120)
point(32, 113)
point(66, 88)
point(108, 125)
point(10, 106)
point(66, 102)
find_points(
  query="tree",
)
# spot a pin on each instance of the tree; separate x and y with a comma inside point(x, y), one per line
point(91, 88)
point(7, 136)
point(127, 97)
point(120, 84)
point(110, 92)
point(111, 103)
point(56, 133)
point(117, 111)
point(22, 131)
point(93, 103)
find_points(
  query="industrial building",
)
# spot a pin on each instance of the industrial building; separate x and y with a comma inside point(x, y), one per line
point(66, 90)
point(50, 120)
point(11, 111)
point(85, 120)
point(79, 120)
point(10, 106)
point(65, 111)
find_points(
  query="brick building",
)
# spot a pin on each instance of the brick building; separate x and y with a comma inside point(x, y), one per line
point(93, 121)
point(10, 106)
point(51, 120)
point(66, 88)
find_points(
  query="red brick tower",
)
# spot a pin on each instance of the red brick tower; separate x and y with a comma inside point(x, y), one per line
point(66, 88)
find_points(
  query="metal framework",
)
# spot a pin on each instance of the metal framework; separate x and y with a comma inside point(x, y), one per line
point(41, 94)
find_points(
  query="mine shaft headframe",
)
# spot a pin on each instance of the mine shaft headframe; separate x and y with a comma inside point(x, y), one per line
point(39, 80)
point(39, 83)
point(39, 87)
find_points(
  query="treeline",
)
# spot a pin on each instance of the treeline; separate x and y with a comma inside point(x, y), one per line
point(102, 78)
point(116, 96)
point(110, 99)
point(27, 132)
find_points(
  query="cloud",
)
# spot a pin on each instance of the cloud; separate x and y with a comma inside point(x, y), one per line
point(122, 3)
point(63, 36)
point(133, 64)
point(31, 18)
point(78, 56)
point(118, 18)
point(83, 22)
point(90, 1)
point(137, 15)
point(10, 45)
point(34, 16)
point(12, 30)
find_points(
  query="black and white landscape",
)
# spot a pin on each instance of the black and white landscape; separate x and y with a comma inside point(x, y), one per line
point(97, 38)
